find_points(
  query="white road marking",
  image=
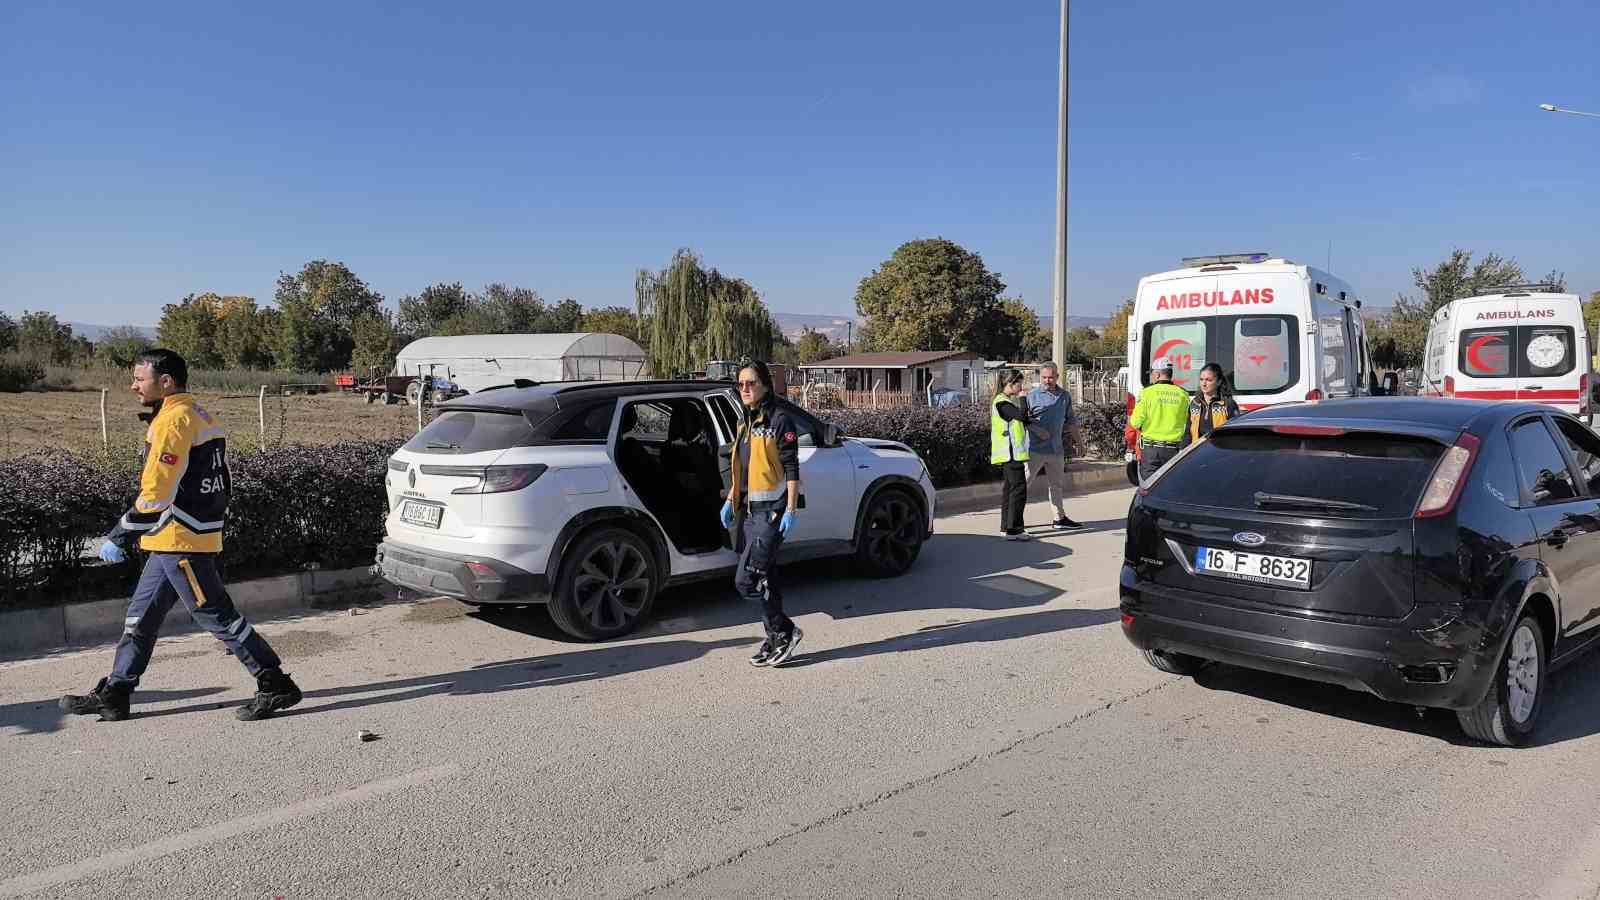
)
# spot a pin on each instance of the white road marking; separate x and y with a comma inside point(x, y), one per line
point(211, 834)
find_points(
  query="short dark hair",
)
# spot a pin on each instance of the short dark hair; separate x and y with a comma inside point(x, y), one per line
point(165, 362)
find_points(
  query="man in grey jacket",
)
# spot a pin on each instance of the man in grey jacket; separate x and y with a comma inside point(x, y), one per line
point(1051, 408)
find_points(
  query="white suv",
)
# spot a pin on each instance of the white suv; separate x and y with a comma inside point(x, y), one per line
point(592, 496)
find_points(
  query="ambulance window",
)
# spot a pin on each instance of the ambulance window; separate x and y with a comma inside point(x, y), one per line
point(1486, 352)
point(1184, 342)
point(1262, 347)
point(1335, 351)
point(1545, 350)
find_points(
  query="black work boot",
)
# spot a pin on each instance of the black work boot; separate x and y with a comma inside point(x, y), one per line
point(274, 691)
point(108, 701)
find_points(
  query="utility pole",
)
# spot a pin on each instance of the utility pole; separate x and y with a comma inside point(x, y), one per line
point(1058, 301)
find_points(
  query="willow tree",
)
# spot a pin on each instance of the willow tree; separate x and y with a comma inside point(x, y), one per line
point(693, 315)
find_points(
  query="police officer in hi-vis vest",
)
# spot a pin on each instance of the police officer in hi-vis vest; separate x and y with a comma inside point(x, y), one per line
point(1160, 416)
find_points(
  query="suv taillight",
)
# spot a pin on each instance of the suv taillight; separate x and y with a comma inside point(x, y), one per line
point(491, 479)
point(1449, 477)
point(1449, 387)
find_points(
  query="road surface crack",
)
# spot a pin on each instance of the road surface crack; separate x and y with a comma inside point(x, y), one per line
point(840, 814)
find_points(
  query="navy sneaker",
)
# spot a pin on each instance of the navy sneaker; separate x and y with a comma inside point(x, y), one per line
point(785, 647)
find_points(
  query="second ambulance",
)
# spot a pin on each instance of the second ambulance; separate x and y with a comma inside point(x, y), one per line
point(1526, 342)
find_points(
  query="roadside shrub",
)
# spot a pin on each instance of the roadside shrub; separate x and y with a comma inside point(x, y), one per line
point(291, 508)
point(18, 374)
point(954, 441)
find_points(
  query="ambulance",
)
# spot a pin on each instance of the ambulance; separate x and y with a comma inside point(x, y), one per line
point(1281, 331)
point(1525, 342)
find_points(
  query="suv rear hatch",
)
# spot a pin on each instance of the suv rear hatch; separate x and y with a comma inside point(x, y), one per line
point(1307, 517)
point(438, 479)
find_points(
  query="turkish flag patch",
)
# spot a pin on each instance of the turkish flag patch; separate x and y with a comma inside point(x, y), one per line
point(788, 438)
point(169, 459)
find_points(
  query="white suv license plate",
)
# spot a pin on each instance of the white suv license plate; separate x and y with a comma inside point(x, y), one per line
point(421, 514)
point(1257, 567)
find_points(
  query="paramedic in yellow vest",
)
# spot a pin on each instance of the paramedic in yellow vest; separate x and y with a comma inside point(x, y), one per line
point(1160, 416)
point(763, 501)
point(1212, 405)
point(1008, 449)
point(177, 520)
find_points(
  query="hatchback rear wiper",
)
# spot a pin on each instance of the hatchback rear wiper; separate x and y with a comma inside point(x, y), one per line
point(1265, 499)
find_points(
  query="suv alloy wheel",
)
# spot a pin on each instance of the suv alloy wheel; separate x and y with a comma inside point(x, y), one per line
point(607, 585)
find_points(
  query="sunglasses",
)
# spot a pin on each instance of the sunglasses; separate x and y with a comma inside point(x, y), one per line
point(747, 384)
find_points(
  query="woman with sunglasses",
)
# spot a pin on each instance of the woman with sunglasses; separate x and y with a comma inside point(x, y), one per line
point(762, 501)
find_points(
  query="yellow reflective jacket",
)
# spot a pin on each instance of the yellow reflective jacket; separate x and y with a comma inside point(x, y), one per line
point(183, 486)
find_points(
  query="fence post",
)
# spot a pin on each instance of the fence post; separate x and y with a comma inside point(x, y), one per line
point(105, 434)
point(261, 414)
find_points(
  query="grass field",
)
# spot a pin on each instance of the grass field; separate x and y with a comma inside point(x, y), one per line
point(71, 420)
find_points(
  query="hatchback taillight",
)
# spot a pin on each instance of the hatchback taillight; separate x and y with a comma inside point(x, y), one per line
point(1449, 477)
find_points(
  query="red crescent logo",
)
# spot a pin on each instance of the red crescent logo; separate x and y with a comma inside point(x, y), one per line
point(1475, 347)
point(1166, 348)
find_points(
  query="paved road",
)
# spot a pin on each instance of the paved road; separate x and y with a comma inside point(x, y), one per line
point(977, 728)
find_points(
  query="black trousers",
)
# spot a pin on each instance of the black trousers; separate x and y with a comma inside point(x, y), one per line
point(757, 577)
point(1015, 496)
point(1153, 457)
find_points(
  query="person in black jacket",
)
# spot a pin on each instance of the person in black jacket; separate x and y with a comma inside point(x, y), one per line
point(1211, 405)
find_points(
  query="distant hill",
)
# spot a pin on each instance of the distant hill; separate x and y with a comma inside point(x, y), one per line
point(94, 332)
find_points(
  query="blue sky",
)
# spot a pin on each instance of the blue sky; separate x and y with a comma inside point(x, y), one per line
point(153, 150)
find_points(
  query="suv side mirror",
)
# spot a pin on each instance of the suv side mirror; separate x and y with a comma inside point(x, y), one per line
point(832, 435)
point(1391, 384)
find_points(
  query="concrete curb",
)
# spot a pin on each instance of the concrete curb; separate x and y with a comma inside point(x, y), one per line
point(1082, 478)
point(32, 632)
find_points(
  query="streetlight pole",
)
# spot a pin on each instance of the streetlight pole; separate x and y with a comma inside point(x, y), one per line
point(1058, 300)
point(1550, 107)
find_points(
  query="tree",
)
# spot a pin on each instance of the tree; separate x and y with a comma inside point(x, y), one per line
point(318, 308)
point(189, 327)
point(813, 347)
point(1082, 346)
point(784, 352)
point(8, 333)
point(426, 313)
point(1458, 276)
point(514, 310)
point(1396, 338)
point(376, 343)
point(119, 347)
point(565, 317)
point(243, 340)
point(43, 339)
point(1114, 337)
point(932, 295)
point(613, 320)
point(1017, 335)
point(1591, 316)
point(694, 316)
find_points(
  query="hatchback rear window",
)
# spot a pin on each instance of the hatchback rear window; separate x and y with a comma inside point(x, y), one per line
point(473, 431)
point(1360, 475)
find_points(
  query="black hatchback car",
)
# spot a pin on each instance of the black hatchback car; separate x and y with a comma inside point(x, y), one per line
point(1441, 553)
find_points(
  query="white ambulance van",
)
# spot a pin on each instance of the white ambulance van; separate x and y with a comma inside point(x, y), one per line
point(1281, 331)
point(1526, 342)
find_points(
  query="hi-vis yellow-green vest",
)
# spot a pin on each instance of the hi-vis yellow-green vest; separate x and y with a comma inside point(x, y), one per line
point(1008, 441)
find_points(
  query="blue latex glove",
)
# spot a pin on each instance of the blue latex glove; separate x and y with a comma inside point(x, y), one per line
point(727, 515)
point(786, 523)
point(111, 553)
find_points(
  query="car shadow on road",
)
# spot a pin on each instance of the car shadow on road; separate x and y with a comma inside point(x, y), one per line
point(1567, 714)
point(979, 631)
point(44, 716)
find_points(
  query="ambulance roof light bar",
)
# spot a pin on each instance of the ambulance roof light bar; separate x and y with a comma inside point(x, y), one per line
point(1540, 287)
point(1194, 262)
